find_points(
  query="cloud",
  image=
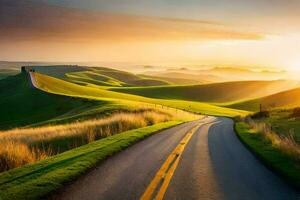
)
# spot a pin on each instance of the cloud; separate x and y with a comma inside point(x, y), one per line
point(29, 21)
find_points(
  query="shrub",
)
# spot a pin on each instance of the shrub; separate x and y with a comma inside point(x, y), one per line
point(261, 114)
point(296, 113)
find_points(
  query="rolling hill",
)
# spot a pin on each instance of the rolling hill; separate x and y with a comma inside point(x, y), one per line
point(173, 81)
point(61, 87)
point(214, 93)
point(8, 72)
point(187, 75)
point(21, 104)
point(97, 76)
point(220, 74)
point(285, 99)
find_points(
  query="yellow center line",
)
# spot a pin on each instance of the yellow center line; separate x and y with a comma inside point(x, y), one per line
point(164, 175)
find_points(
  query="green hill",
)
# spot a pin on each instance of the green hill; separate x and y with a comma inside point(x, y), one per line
point(58, 71)
point(92, 77)
point(286, 99)
point(215, 93)
point(173, 80)
point(97, 76)
point(61, 87)
point(21, 104)
point(8, 72)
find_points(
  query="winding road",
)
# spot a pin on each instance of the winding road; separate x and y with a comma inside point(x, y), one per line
point(197, 160)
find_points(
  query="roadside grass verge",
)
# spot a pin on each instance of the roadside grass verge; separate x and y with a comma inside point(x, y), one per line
point(278, 156)
point(22, 146)
point(36, 181)
point(283, 122)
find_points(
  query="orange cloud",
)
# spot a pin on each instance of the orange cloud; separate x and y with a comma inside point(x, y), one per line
point(23, 21)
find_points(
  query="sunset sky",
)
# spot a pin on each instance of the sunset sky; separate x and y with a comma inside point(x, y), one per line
point(176, 32)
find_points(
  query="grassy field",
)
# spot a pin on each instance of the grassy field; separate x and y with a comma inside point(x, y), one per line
point(130, 79)
point(8, 72)
point(173, 81)
point(93, 78)
point(252, 105)
point(283, 123)
point(22, 146)
point(98, 76)
point(37, 180)
point(216, 92)
point(61, 87)
point(273, 155)
point(22, 105)
point(286, 99)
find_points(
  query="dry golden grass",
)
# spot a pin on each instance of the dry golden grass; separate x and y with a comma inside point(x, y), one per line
point(21, 146)
point(15, 154)
point(286, 144)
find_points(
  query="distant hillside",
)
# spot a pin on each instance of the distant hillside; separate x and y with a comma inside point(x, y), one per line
point(217, 92)
point(187, 75)
point(173, 80)
point(8, 72)
point(220, 74)
point(286, 99)
point(98, 76)
point(236, 73)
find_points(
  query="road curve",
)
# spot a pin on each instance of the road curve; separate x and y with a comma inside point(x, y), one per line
point(213, 165)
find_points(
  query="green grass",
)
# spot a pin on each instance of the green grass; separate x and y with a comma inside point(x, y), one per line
point(131, 79)
point(285, 99)
point(23, 105)
point(271, 156)
point(282, 123)
point(58, 71)
point(61, 87)
point(8, 72)
point(92, 77)
point(249, 105)
point(173, 81)
point(36, 181)
point(216, 92)
point(111, 77)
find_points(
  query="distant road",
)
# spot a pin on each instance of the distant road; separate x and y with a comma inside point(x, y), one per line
point(207, 162)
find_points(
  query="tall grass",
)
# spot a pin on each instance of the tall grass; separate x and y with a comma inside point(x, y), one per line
point(21, 146)
point(285, 144)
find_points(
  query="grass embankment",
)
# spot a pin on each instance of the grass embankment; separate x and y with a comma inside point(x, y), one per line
point(283, 123)
point(22, 146)
point(36, 181)
point(57, 86)
point(280, 154)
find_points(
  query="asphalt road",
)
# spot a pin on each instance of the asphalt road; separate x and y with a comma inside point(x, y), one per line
point(213, 165)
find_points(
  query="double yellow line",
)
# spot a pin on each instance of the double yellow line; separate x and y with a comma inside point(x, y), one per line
point(159, 184)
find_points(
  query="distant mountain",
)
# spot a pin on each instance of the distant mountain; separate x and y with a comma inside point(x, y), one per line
point(188, 75)
point(220, 74)
point(245, 74)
